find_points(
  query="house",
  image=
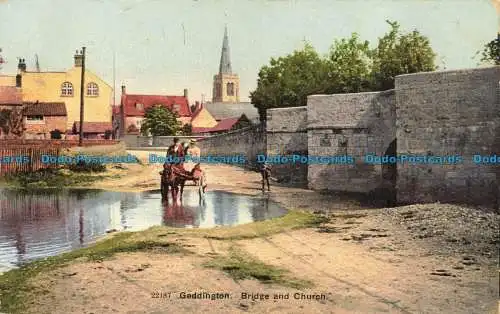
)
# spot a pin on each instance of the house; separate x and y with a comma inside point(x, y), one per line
point(41, 119)
point(201, 117)
point(134, 106)
point(222, 111)
point(10, 97)
point(93, 130)
point(224, 126)
point(64, 87)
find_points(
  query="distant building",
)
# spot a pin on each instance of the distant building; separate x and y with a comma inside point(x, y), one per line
point(226, 91)
point(40, 119)
point(64, 87)
point(224, 126)
point(133, 108)
point(226, 87)
point(93, 130)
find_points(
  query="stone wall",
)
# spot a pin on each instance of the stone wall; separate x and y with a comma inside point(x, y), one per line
point(449, 113)
point(247, 142)
point(350, 125)
point(437, 113)
point(287, 135)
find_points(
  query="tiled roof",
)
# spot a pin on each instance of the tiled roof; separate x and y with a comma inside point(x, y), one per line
point(45, 109)
point(223, 125)
point(92, 127)
point(221, 111)
point(130, 109)
point(10, 95)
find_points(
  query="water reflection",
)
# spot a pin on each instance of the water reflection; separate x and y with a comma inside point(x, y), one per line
point(46, 223)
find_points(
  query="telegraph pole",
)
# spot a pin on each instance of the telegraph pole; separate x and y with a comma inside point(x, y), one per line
point(82, 97)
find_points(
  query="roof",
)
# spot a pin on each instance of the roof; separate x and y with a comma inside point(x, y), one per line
point(45, 109)
point(10, 95)
point(221, 111)
point(129, 102)
point(93, 127)
point(223, 125)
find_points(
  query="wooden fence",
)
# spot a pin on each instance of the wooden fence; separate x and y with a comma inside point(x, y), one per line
point(23, 159)
point(53, 143)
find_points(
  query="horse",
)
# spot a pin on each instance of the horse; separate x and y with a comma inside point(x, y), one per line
point(175, 177)
point(172, 178)
point(265, 173)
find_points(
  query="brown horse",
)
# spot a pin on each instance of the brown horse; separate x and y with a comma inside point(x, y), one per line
point(174, 177)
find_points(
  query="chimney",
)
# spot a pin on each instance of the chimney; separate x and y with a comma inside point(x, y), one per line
point(185, 93)
point(21, 67)
point(123, 90)
point(78, 58)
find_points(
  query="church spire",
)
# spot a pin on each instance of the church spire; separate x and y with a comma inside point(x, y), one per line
point(225, 61)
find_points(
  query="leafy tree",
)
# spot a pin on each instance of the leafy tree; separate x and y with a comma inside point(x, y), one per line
point(287, 81)
point(491, 52)
point(160, 121)
point(398, 54)
point(349, 66)
point(187, 129)
point(108, 134)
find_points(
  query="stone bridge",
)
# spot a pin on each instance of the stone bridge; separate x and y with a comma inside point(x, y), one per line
point(427, 114)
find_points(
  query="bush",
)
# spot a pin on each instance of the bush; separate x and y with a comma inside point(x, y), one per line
point(108, 134)
point(55, 135)
point(83, 166)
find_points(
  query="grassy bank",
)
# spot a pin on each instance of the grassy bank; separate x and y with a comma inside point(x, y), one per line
point(16, 290)
point(75, 176)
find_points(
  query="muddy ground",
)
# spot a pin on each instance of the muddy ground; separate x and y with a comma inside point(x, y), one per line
point(432, 258)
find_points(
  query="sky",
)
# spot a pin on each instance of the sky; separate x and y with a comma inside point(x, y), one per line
point(164, 46)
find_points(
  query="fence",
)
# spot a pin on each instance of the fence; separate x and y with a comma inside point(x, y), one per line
point(24, 159)
point(54, 143)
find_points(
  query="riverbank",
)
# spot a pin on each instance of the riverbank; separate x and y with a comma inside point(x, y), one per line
point(432, 258)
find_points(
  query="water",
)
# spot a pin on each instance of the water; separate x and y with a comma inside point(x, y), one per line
point(46, 223)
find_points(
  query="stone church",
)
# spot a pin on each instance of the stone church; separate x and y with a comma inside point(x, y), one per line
point(226, 90)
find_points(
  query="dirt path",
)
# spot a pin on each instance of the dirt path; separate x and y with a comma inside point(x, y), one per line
point(362, 261)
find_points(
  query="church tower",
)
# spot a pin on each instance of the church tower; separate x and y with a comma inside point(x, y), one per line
point(226, 84)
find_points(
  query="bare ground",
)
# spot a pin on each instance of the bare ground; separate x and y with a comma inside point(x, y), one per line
point(432, 258)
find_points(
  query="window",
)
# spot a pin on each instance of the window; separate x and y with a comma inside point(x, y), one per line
point(230, 89)
point(67, 89)
point(176, 108)
point(92, 89)
point(34, 119)
point(139, 106)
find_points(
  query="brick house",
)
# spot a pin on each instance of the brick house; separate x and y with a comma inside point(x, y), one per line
point(93, 130)
point(224, 126)
point(40, 119)
point(133, 108)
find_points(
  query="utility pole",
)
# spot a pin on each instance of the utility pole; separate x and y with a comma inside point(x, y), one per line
point(82, 97)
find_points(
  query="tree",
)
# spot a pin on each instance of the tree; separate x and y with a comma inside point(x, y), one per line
point(187, 129)
point(160, 121)
point(349, 66)
point(287, 81)
point(491, 51)
point(398, 54)
point(11, 122)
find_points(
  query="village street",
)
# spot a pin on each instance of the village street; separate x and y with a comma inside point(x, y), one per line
point(415, 259)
